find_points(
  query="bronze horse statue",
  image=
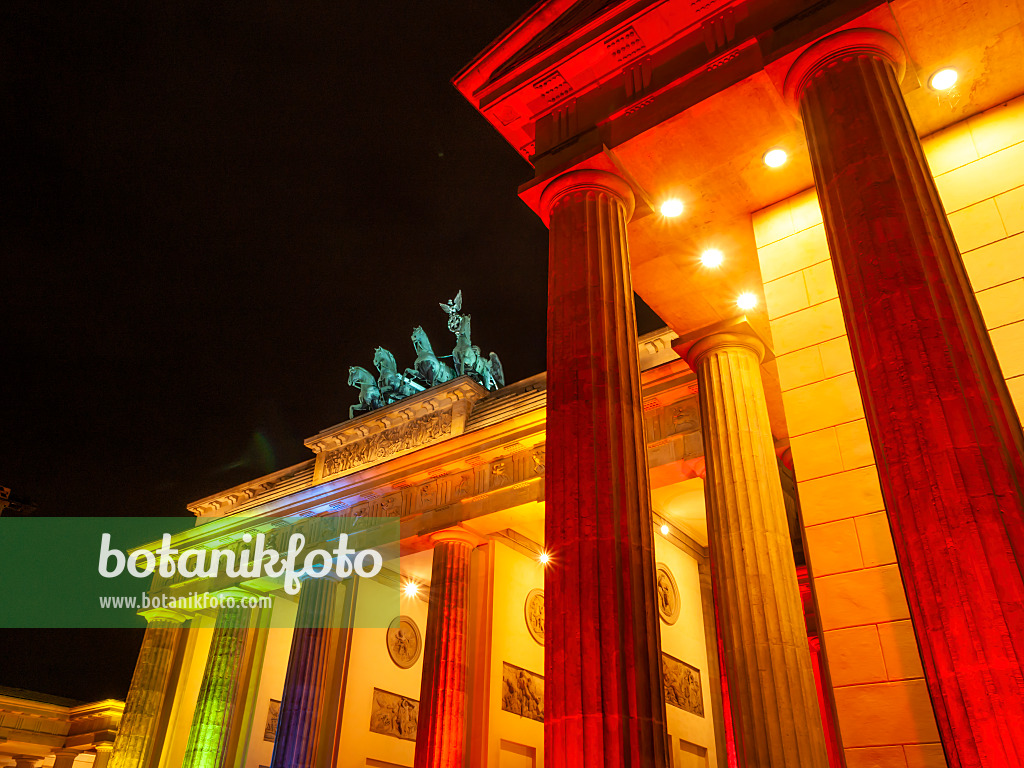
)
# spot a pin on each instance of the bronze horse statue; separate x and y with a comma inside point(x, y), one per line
point(369, 392)
point(469, 362)
point(393, 385)
point(427, 367)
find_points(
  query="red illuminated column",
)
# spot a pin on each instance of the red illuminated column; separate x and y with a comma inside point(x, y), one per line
point(136, 734)
point(604, 702)
point(945, 435)
point(835, 749)
point(772, 695)
point(441, 729)
point(300, 725)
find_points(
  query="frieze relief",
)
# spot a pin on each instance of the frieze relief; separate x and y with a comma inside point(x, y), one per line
point(682, 685)
point(394, 715)
point(384, 445)
point(522, 692)
point(672, 431)
point(434, 415)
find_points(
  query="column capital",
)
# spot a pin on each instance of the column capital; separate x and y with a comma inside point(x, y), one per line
point(457, 534)
point(738, 332)
point(847, 43)
point(584, 179)
point(164, 614)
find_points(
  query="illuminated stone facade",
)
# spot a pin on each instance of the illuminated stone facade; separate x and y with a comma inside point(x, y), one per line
point(849, 445)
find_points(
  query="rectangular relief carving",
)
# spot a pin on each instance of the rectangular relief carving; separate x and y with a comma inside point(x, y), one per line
point(394, 715)
point(682, 685)
point(383, 445)
point(273, 713)
point(522, 692)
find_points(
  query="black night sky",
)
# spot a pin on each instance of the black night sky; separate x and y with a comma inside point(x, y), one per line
point(212, 210)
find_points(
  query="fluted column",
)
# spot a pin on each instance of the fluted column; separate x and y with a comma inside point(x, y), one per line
point(772, 694)
point(299, 725)
point(707, 604)
point(133, 744)
point(441, 728)
point(604, 700)
point(945, 434)
point(220, 691)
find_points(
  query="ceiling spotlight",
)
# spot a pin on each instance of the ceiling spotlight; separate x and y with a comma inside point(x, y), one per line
point(411, 589)
point(672, 207)
point(664, 530)
point(543, 558)
point(712, 258)
point(943, 80)
point(773, 158)
point(746, 300)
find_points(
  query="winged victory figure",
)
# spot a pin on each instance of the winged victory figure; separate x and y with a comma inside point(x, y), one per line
point(452, 308)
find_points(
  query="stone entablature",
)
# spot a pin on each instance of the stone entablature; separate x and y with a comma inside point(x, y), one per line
point(430, 417)
point(39, 725)
point(274, 485)
point(426, 419)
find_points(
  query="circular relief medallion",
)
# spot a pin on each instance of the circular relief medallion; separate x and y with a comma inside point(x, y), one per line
point(404, 641)
point(668, 594)
point(535, 614)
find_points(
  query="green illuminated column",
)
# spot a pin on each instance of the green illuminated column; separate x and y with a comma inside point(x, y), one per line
point(221, 689)
point(149, 689)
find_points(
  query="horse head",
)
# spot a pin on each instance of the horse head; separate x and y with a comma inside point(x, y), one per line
point(384, 360)
point(357, 376)
point(420, 342)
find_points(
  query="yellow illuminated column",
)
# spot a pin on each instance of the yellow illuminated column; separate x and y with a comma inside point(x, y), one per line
point(149, 690)
point(65, 758)
point(771, 683)
point(103, 752)
point(210, 735)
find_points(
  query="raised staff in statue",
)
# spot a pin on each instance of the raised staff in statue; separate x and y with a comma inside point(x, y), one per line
point(469, 362)
point(467, 358)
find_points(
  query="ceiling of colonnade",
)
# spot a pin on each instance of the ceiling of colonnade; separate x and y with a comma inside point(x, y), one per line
point(698, 131)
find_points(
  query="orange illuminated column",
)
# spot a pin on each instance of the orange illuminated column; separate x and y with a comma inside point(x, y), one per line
point(604, 702)
point(441, 729)
point(300, 724)
point(948, 443)
point(133, 744)
point(772, 693)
